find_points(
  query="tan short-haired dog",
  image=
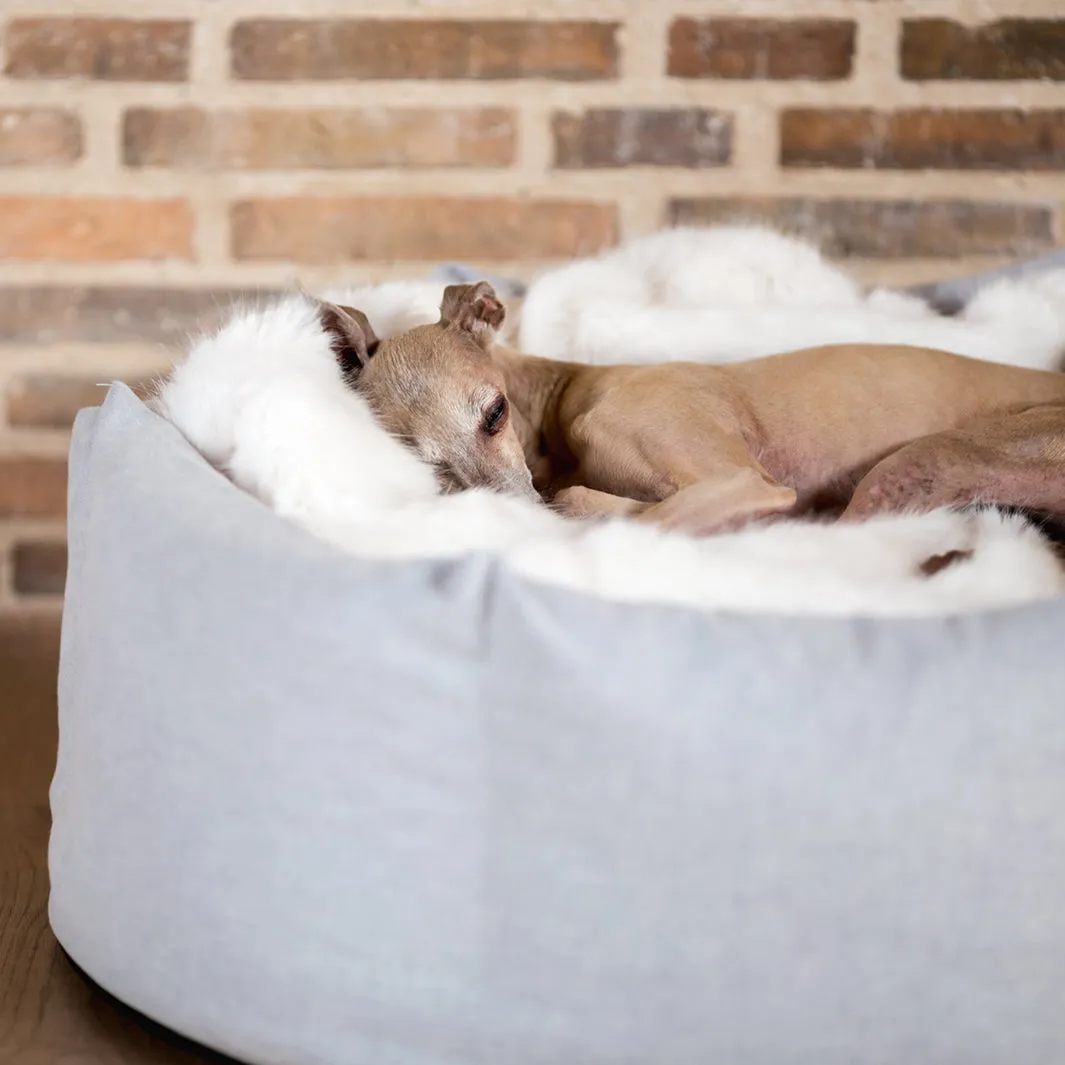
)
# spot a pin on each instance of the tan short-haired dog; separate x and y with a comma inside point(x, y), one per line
point(688, 446)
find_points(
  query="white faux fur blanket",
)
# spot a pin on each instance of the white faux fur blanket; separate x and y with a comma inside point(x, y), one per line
point(738, 292)
point(262, 399)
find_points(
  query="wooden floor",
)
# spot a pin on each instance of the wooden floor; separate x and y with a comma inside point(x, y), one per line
point(49, 1013)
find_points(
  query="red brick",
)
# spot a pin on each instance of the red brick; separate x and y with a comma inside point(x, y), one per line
point(418, 229)
point(32, 487)
point(317, 50)
point(51, 401)
point(103, 49)
point(54, 314)
point(1008, 50)
point(747, 48)
point(985, 139)
point(38, 136)
point(94, 229)
point(606, 137)
point(877, 229)
point(319, 139)
point(40, 567)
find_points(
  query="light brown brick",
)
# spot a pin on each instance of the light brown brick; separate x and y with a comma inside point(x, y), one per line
point(923, 138)
point(38, 136)
point(51, 401)
point(876, 229)
point(32, 487)
point(103, 49)
point(1007, 50)
point(319, 139)
point(55, 314)
point(606, 137)
point(94, 229)
point(40, 567)
point(418, 229)
point(776, 49)
point(316, 50)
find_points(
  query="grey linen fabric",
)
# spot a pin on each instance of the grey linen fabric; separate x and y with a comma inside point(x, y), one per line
point(314, 810)
point(951, 296)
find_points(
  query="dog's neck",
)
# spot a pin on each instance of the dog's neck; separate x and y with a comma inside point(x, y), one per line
point(535, 388)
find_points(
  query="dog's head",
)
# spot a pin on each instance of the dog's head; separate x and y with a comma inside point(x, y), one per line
point(436, 388)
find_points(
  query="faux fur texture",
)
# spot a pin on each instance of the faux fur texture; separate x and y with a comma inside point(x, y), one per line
point(737, 292)
point(263, 400)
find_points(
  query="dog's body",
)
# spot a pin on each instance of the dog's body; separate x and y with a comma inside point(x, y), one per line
point(684, 445)
point(702, 447)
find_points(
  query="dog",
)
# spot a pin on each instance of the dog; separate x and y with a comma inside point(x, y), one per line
point(686, 446)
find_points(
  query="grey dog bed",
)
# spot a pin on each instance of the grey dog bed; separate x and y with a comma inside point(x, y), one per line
point(311, 810)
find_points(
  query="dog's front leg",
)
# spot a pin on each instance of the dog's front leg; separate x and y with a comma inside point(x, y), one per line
point(726, 501)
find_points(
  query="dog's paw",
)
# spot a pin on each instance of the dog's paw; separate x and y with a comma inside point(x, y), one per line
point(580, 502)
point(574, 502)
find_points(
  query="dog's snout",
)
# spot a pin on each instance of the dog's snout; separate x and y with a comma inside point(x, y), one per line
point(514, 483)
point(526, 490)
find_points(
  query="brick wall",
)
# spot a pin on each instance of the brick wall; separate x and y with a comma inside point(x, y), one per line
point(156, 157)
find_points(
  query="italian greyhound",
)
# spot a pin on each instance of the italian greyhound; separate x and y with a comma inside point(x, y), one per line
point(687, 446)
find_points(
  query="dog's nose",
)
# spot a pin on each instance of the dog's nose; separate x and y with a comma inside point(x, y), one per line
point(520, 484)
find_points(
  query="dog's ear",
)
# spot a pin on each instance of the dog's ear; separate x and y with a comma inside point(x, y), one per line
point(350, 334)
point(475, 309)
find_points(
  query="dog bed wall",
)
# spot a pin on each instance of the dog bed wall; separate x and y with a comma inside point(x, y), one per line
point(315, 809)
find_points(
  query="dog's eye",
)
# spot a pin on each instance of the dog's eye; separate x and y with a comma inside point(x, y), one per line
point(495, 417)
